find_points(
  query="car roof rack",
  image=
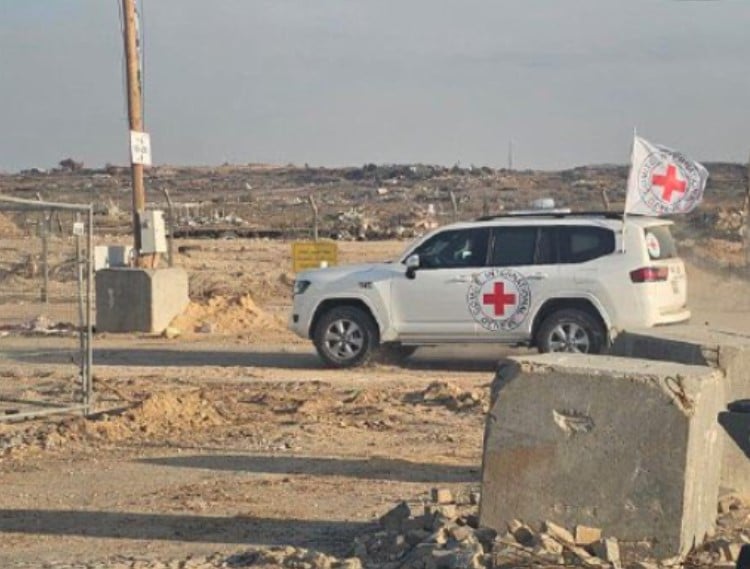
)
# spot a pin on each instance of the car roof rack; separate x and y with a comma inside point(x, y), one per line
point(558, 213)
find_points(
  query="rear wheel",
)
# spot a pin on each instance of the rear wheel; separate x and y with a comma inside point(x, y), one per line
point(571, 330)
point(345, 336)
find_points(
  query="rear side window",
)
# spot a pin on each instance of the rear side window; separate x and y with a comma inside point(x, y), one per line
point(513, 246)
point(659, 242)
point(585, 243)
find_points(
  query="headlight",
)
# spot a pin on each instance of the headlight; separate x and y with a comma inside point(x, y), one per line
point(300, 287)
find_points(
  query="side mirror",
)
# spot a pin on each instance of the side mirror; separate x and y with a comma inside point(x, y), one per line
point(412, 264)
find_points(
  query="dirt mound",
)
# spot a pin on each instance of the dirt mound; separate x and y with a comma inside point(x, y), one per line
point(160, 414)
point(8, 228)
point(263, 284)
point(441, 393)
point(226, 315)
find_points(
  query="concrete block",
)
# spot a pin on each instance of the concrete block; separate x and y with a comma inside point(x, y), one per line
point(559, 533)
point(736, 461)
point(441, 496)
point(628, 446)
point(608, 550)
point(586, 535)
point(139, 300)
point(522, 533)
point(699, 345)
point(693, 345)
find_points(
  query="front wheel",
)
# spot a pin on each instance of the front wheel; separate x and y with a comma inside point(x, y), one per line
point(345, 336)
point(570, 330)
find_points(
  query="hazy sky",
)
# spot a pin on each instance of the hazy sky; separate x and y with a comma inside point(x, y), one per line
point(334, 82)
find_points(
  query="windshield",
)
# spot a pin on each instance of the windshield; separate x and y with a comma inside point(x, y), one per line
point(411, 248)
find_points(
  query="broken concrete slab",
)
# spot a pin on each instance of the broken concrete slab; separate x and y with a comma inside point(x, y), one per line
point(721, 349)
point(628, 446)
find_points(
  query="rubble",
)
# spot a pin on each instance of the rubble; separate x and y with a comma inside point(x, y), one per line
point(585, 535)
point(442, 496)
point(620, 469)
point(444, 536)
point(40, 326)
point(441, 393)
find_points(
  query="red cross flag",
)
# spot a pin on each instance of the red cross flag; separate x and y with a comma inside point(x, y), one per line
point(663, 181)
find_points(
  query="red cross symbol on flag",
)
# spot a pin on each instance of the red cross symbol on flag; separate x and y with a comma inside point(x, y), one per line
point(499, 299)
point(670, 182)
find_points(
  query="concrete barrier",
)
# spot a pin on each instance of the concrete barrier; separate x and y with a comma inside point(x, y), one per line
point(629, 446)
point(724, 350)
point(139, 300)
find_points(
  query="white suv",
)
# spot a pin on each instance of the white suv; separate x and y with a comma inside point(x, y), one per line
point(557, 281)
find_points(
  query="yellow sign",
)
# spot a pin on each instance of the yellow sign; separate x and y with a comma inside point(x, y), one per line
point(314, 254)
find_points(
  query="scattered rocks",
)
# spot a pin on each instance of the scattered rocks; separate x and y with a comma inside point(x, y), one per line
point(732, 502)
point(445, 536)
point(586, 535)
point(559, 533)
point(393, 519)
point(607, 549)
point(170, 333)
point(555, 546)
point(442, 496)
point(441, 393)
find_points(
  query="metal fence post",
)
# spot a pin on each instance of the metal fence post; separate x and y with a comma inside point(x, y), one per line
point(89, 380)
point(45, 257)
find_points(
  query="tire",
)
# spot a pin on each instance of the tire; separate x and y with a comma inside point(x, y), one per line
point(345, 336)
point(394, 353)
point(571, 330)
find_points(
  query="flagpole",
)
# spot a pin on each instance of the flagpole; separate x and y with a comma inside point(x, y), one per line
point(630, 174)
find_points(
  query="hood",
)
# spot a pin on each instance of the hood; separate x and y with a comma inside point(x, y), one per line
point(334, 273)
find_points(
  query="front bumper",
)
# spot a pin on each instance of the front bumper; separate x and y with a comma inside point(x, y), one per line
point(301, 316)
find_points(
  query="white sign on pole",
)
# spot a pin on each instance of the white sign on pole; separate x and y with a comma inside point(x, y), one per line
point(78, 229)
point(140, 148)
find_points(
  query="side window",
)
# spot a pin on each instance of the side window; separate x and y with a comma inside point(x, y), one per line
point(546, 246)
point(581, 244)
point(456, 248)
point(513, 246)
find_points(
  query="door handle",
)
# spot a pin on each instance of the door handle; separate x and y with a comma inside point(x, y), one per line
point(537, 276)
point(459, 280)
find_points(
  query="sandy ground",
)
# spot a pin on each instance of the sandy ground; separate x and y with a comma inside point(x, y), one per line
point(240, 437)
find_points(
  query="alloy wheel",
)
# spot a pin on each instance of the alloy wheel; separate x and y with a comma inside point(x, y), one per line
point(569, 337)
point(344, 339)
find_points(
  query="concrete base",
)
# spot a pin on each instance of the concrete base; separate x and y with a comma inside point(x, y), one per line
point(139, 300)
point(699, 345)
point(628, 446)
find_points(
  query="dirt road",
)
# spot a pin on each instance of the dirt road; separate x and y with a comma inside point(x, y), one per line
point(218, 442)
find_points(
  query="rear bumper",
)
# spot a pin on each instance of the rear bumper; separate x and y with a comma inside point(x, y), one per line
point(676, 317)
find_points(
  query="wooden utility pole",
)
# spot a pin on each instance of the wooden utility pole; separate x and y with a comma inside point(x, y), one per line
point(135, 116)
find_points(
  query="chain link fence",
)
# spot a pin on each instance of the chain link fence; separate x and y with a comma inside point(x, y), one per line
point(46, 278)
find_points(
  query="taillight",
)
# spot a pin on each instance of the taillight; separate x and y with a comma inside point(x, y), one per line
point(649, 274)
